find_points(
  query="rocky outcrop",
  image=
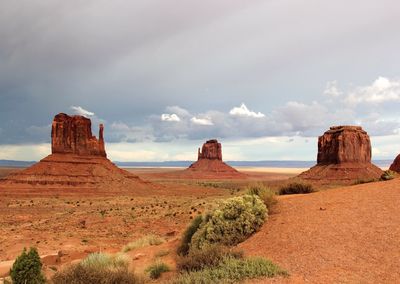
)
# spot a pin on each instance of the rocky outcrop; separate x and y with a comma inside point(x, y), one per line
point(78, 161)
point(395, 166)
point(73, 135)
point(210, 165)
point(211, 150)
point(344, 156)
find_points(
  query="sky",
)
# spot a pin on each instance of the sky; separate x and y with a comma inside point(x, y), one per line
point(265, 78)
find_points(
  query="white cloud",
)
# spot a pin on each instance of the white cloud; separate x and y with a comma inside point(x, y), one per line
point(382, 90)
point(243, 111)
point(181, 112)
point(81, 111)
point(202, 121)
point(29, 152)
point(170, 117)
point(332, 89)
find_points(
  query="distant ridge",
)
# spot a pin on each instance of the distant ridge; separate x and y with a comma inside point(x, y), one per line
point(184, 164)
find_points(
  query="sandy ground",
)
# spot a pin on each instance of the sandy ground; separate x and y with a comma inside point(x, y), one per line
point(342, 235)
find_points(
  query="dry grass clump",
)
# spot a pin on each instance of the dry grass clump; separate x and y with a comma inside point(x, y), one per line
point(388, 175)
point(149, 240)
point(155, 270)
point(98, 268)
point(296, 188)
point(267, 195)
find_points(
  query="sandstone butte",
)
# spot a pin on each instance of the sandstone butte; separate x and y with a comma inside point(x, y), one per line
point(78, 160)
point(209, 163)
point(395, 166)
point(344, 156)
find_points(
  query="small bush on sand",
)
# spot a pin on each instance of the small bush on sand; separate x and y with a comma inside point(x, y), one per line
point(98, 268)
point(267, 195)
point(183, 248)
point(27, 268)
point(210, 256)
point(155, 270)
point(233, 222)
point(232, 270)
point(149, 240)
point(388, 175)
point(296, 188)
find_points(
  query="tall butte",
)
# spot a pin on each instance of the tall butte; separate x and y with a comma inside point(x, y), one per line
point(78, 160)
point(344, 156)
point(209, 163)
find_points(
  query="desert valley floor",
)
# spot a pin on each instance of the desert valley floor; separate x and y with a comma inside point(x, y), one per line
point(339, 235)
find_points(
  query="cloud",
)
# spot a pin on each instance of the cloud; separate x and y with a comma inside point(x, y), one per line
point(382, 90)
point(170, 117)
point(332, 89)
point(243, 111)
point(202, 121)
point(81, 111)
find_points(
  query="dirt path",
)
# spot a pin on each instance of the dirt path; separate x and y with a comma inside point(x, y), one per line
point(343, 235)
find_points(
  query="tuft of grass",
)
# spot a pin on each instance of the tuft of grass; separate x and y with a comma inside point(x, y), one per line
point(184, 246)
point(232, 270)
point(388, 175)
point(149, 240)
point(98, 268)
point(296, 188)
point(267, 195)
point(362, 181)
point(155, 270)
point(209, 256)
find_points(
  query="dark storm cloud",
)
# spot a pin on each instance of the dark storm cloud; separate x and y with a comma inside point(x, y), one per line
point(126, 61)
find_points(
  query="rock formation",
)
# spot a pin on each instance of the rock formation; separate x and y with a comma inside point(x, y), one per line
point(78, 160)
point(73, 135)
point(209, 163)
point(344, 155)
point(395, 166)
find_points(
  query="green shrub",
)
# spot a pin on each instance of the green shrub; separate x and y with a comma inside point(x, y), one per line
point(183, 248)
point(27, 268)
point(388, 175)
point(232, 270)
point(149, 240)
point(362, 181)
point(267, 195)
point(209, 256)
point(155, 270)
point(233, 222)
point(296, 188)
point(98, 268)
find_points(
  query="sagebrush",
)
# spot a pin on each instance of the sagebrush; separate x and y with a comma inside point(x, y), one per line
point(267, 195)
point(296, 188)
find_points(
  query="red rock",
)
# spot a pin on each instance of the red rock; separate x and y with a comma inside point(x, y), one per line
point(211, 150)
point(210, 165)
point(73, 135)
point(395, 166)
point(344, 156)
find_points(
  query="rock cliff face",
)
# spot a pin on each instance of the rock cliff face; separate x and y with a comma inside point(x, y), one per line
point(78, 161)
point(343, 144)
point(344, 156)
point(211, 150)
point(73, 135)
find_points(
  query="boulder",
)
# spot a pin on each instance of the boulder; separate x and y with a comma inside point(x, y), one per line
point(344, 156)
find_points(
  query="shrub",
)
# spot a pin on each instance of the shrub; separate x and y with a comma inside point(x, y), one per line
point(209, 256)
point(232, 270)
point(388, 175)
point(267, 195)
point(235, 220)
point(155, 270)
point(98, 268)
point(183, 248)
point(296, 188)
point(149, 240)
point(27, 268)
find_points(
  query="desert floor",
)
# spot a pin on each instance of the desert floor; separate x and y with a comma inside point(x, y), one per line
point(341, 235)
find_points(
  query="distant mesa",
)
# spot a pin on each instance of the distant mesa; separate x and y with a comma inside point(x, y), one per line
point(209, 163)
point(344, 156)
point(78, 160)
